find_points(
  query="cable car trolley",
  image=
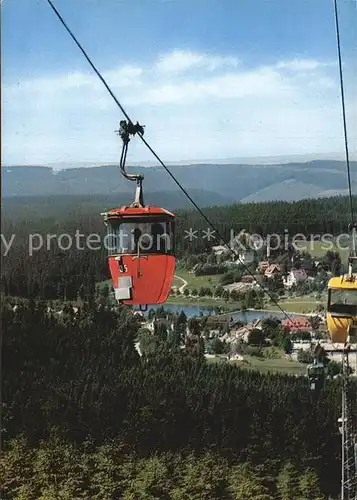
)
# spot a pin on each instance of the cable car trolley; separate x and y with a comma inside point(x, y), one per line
point(140, 242)
point(342, 302)
point(316, 375)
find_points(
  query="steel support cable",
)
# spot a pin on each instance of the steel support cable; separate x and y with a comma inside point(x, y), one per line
point(343, 109)
point(161, 162)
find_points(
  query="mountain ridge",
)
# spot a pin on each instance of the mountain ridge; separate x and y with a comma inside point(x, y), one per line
point(228, 182)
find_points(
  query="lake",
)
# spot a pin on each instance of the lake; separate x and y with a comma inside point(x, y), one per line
point(244, 316)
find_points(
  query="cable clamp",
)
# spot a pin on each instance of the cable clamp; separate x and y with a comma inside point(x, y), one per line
point(126, 129)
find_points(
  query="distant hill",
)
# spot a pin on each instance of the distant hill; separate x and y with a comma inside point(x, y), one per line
point(291, 190)
point(212, 183)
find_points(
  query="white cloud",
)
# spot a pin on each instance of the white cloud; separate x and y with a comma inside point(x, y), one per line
point(188, 112)
point(178, 61)
point(260, 83)
point(125, 76)
point(302, 64)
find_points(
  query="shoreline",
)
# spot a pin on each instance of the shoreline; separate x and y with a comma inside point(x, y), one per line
point(289, 312)
point(211, 304)
point(237, 311)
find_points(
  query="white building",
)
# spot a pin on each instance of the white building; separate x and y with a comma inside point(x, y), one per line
point(159, 321)
point(220, 250)
point(245, 258)
point(294, 277)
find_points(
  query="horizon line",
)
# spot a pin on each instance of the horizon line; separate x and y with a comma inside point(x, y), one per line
point(261, 160)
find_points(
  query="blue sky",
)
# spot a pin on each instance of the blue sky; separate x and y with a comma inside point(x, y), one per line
point(208, 78)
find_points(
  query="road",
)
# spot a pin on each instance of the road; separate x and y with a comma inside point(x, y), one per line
point(181, 289)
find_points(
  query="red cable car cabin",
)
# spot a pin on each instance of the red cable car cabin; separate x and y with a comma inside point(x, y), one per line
point(141, 253)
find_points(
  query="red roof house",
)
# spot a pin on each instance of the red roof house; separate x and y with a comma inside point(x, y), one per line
point(272, 270)
point(298, 323)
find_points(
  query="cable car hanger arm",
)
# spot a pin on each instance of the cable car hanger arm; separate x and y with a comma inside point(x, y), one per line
point(126, 129)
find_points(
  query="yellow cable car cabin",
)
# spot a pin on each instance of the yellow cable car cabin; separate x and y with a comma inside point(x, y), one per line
point(342, 308)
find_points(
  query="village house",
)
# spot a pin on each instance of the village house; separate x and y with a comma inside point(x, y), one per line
point(240, 286)
point(241, 333)
point(247, 279)
point(272, 271)
point(212, 333)
point(214, 322)
point(294, 277)
point(245, 258)
point(195, 267)
point(220, 250)
point(160, 321)
point(297, 324)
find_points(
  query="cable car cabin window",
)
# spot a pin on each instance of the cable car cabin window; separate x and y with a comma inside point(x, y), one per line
point(149, 236)
point(343, 301)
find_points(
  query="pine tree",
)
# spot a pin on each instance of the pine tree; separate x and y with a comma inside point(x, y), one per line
point(288, 482)
point(309, 486)
point(245, 484)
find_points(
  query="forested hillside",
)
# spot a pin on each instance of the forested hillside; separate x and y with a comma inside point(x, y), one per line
point(76, 381)
point(37, 206)
point(326, 215)
point(310, 214)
